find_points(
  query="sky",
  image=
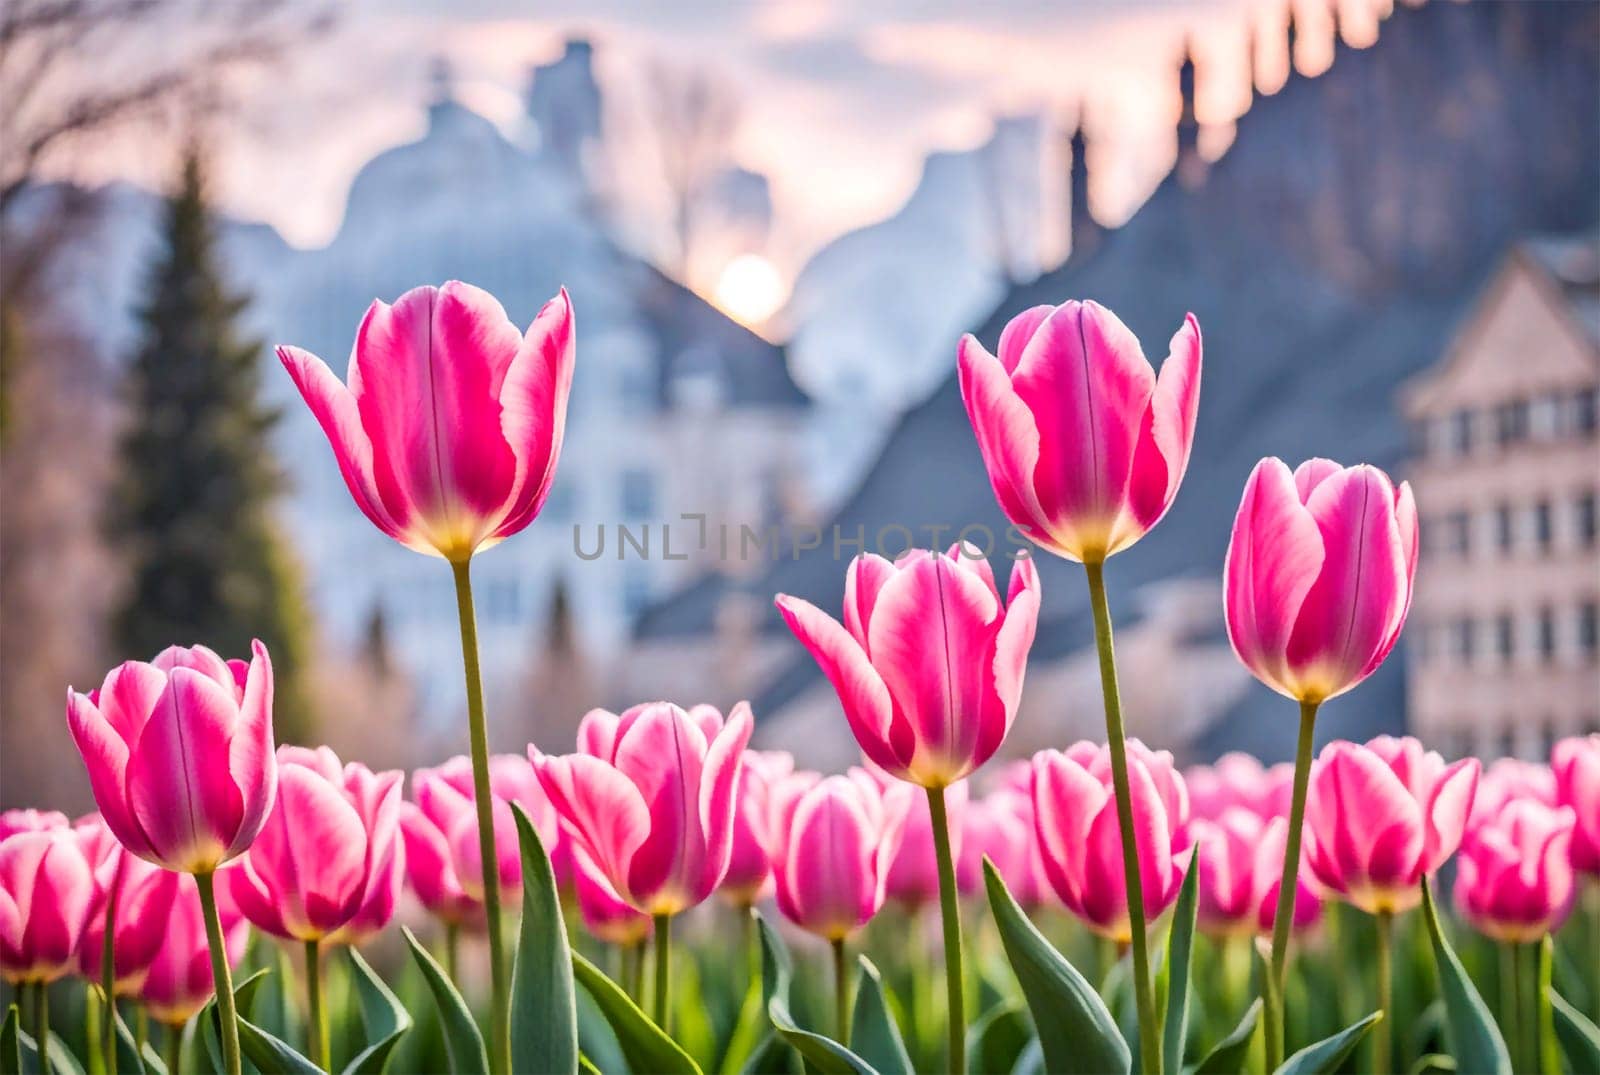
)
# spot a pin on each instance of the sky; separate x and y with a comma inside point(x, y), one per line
point(840, 99)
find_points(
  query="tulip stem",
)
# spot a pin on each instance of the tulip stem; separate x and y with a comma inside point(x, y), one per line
point(220, 974)
point(1283, 919)
point(950, 909)
point(1144, 997)
point(174, 1047)
point(663, 997)
point(1592, 899)
point(93, 1018)
point(841, 994)
point(41, 1024)
point(633, 970)
point(452, 953)
point(1382, 1059)
point(316, 1016)
point(477, 727)
point(1547, 1051)
point(1511, 999)
point(108, 983)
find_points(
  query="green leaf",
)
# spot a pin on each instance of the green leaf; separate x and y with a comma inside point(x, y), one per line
point(1475, 1040)
point(544, 1013)
point(823, 1053)
point(462, 1039)
point(586, 1066)
point(1227, 1056)
point(1579, 1038)
point(1180, 945)
point(11, 1043)
point(128, 1058)
point(874, 1036)
point(1324, 1057)
point(270, 1053)
point(1031, 1060)
point(61, 1058)
point(1433, 1062)
point(998, 1038)
point(646, 1046)
point(383, 1018)
point(208, 1024)
point(750, 1030)
point(1076, 1032)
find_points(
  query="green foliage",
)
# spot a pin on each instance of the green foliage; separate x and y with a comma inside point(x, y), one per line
point(544, 1016)
point(463, 1041)
point(646, 1046)
point(822, 1053)
point(1173, 981)
point(383, 1018)
point(11, 1043)
point(874, 1036)
point(998, 1038)
point(1325, 1056)
point(1229, 1054)
point(191, 506)
point(1579, 1038)
point(1475, 1040)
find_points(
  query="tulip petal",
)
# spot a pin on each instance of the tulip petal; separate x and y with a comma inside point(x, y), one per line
point(1166, 435)
point(864, 579)
point(1008, 439)
point(1446, 812)
point(663, 754)
point(1017, 334)
point(607, 815)
point(105, 756)
point(533, 405)
point(718, 793)
point(597, 734)
point(251, 763)
point(885, 738)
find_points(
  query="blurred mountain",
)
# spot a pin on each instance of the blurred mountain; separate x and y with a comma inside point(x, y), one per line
point(1328, 255)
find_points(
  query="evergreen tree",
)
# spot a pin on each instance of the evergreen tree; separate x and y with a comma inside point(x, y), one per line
point(193, 496)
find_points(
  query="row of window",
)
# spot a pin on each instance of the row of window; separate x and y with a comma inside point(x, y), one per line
point(1550, 417)
point(1516, 735)
point(1506, 528)
point(1506, 638)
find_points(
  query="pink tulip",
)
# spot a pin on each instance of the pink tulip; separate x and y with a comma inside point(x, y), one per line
point(749, 876)
point(928, 664)
point(650, 797)
point(1084, 444)
point(913, 879)
point(1507, 780)
point(833, 840)
point(1241, 871)
point(1380, 817)
point(1514, 879)
point(30, 820)
point(46, 891)
point(179, 982)
point(605, 914)
point(1319, 575)
point(323, 853)
point(1239, 780)
point(143, 895)
point(1080, 838)
point(179, 753)
point(1576, 763)
point(450, 422)
point(999, 827)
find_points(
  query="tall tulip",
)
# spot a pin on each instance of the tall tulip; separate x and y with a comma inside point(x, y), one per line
point(1576, 764)
point(318, 860)
point(928, 666)
point(447, 430)
point(46, 892)
point(833, 839)
point(1086, 447)
point(180, 760)
point(649, 797)
point(1241, 867)
point(1317, 585)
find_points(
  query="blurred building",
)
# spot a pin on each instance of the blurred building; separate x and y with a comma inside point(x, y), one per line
point(1505, 653)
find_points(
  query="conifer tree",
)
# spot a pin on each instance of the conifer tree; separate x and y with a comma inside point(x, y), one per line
point(192, 501)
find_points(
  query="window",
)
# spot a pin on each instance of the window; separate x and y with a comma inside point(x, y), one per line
point(1458, 533)
point(1543, 531)
point(1505, 530)
point(1544, 417)
point(1464, 640)
point(1586, 412)
point(1460, 438)
point(1547, 635)
point(638, 494)
point(1585, 512)
point(1511, 422)
point(1505, 637)
point(1589, 629)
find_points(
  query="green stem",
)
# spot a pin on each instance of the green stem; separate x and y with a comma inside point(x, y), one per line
point(1283, 918)
point(1511, 999)
point(92, 1020)
point(174, 1045)
point(1382, 1055)
point(221, 976)
point(1149, 1032)
point(41, 1024)
point(108, 984)
point(663, 996)
point(452, 952)
point(477, 726)
point(841, 994)
point(141, 1023)
point(316, 1016)
point(1592, 899)
point(1546, 1049)
point(633, 960)
point(950, 909)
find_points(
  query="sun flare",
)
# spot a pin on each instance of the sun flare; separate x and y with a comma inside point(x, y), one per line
point(750, 289)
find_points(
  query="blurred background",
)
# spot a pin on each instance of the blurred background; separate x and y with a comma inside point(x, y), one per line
point(775, 220)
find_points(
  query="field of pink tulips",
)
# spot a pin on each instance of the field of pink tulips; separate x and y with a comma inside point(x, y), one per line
point(660, 897)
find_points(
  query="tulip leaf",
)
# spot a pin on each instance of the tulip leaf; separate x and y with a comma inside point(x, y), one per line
point(750, 1030)
point(1076, 1032)
point(383, 1018)
point(544, 1013)
point(645, 1045)
point(1228, 1055)
point(1475, 1040)
point(821, 1052)
point(462, 1039)
point(1324, 1057)
point(128, 1056)
point(271, 1053)
point(207, 1026)
point(1175, 968)
point(998, 1038)
point(1433, 1062)
point(586, 1066)
point(1579, 1038)
point(874, 1036)
point(61, 1058)
point(10, 1043)
point(1031, 1060)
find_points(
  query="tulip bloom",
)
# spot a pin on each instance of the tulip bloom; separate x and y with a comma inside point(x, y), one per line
point(139, 895)
point(999, 827)
point(1084, 444)
point(46, 893)
point(180, 982)
point(450, 420)
point(913, 879)
point(1514, 878)
point(1381, 817)
point(606, 915)
point(317, 861)
point(1319, 575)
point(649, 797)
point(749, 876)
point(1576, 764)
point(179, 753)
point(833, 839)
point(30, 820)
point(1506, 780)
point(928, 664)
point(1241, 866)
point(1080, 838)
point(1239, 780)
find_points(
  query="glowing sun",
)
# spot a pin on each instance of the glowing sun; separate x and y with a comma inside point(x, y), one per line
point(750, 290)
